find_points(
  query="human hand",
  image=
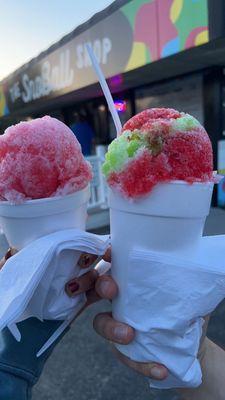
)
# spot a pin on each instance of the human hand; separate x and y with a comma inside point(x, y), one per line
point(103, 287)
point(203, 341)
point(10, 252)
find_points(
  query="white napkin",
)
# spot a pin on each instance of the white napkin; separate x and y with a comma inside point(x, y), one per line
point(167, 296)
point(32, 282)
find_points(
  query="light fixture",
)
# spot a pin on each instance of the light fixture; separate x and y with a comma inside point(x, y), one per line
point(121, 105)
point(101, 107)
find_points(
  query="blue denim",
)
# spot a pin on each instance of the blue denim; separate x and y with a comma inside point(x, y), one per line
point(20, 369)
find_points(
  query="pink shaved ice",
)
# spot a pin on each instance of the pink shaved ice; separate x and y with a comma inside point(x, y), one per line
point(41, 158)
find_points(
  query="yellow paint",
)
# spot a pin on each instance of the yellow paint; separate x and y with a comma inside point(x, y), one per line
point(2, 102)
point(137, 57)
point(175, 10)
point(202, 37)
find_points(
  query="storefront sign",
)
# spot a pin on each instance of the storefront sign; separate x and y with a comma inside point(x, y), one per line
point(51, 78)
point(140, 32)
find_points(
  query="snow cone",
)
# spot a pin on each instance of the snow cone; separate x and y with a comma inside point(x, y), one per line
point(160, 174)
point(43, 180)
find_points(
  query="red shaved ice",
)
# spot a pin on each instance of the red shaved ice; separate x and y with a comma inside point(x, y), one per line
point(151, 115)
point(41, 158)
point(158, 145)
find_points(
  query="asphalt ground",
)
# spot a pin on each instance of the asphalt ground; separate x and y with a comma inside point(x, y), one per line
point(82, 366)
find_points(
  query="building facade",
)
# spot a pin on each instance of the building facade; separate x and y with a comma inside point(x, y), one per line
point(168, 53)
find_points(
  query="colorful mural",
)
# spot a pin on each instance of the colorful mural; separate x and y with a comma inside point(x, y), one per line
point(3, 105)
point(165, 27)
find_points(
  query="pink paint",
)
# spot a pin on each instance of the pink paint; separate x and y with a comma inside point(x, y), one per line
point(190, 41)
point(145, 30)
point(167, 30)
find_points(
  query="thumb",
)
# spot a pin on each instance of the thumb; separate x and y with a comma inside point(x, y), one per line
point(150, 369)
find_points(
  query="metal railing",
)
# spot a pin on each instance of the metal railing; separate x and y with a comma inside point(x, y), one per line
point(99, 195)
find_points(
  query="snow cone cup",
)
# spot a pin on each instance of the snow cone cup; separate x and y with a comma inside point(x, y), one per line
point(171, 219)
point(160, 172)
point(44, 180)
point(44, 189)
point(33, 219)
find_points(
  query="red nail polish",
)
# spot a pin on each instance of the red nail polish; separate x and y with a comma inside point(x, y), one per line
point(8, 254)
point(73, 287)
point(85, 261)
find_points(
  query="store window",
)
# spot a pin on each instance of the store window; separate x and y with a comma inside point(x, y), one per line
point(184, 94)
point(80, 121)
point(123, 106)
point(221, 155)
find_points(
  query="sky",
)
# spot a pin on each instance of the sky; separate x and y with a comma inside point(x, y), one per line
point(28, 27)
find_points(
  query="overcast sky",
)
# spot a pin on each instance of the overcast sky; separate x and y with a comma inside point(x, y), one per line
point(28, 27)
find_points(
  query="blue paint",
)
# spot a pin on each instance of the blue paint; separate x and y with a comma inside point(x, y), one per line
point(171, 47)
point(6, 110)
point(221, 193)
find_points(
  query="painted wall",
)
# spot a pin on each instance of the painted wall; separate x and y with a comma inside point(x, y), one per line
point(165, 27)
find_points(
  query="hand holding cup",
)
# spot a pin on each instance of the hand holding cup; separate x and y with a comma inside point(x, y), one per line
point(103, 287)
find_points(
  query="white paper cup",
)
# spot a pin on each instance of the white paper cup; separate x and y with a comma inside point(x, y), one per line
point(32, 219)
point(170, 219)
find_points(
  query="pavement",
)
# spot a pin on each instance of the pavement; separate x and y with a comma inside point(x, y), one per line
point(82, 367)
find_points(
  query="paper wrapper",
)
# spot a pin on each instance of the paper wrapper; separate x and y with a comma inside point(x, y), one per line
point(165, 310)
point(23, 224)
point(33, 281)
point(170, 221)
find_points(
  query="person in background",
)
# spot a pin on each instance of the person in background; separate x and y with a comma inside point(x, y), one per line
point(83, 132)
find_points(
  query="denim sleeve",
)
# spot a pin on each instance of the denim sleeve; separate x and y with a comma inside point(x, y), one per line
point(19, 366)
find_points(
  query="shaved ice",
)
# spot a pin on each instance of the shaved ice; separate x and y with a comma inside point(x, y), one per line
point(158, 145)
point(41, 158)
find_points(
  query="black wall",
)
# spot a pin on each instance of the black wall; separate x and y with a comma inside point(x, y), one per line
point(212, 98)
point(216, 18)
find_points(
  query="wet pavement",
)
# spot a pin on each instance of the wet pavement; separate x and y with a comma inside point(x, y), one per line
point(82, 366)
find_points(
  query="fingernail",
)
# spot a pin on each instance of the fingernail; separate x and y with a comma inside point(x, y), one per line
point(73, 287)
point(120, 332)
point(8, 254)
point(85, 260)
point(157, 373)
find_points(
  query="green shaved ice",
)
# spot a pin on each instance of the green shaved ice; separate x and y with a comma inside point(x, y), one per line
point(107, 157)
point(106, 168)
point(116, 156)
point(185, 123)
point(120, 150)
point(132, 147)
